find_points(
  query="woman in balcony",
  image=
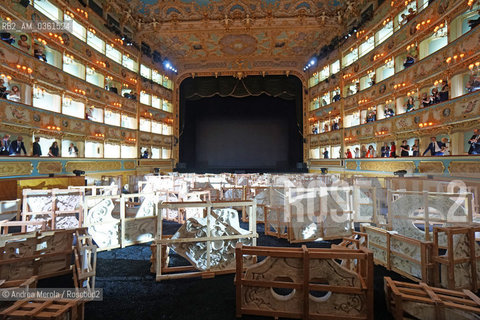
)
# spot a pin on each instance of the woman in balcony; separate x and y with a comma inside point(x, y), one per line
point(404, 149)
point(446, 147)
point(435, 97)
point(363, 151)
point(53, 151)
point(416, 148)
point(348, 154)
point(444, 91)
point(14, 94)
point(393, 150)
point(371, 152)
point(425, 102)
point(410, 104)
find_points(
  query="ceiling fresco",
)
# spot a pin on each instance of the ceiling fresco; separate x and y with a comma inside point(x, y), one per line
point(222, 31)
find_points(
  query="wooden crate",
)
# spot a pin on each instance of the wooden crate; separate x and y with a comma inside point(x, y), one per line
point(22, 283)
point(457, 268)
point(410, 212)
point(10, 210)
point(85, 254)
point(420, 301)
point(310, 214)
point(97, 190)
point(121, 220)
point(409, 257)
point(42, 254)
point(45, 309)
point(164, 241)
point(317, 284)
point(24, 225)
point(62, 208)
point(356, 241)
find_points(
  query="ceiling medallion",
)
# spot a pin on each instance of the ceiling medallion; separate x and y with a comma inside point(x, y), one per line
point(238, 44)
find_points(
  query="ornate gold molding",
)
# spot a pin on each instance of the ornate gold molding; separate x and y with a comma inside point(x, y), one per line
point(15, 168)
point(387, 166)
point(155, 163)
point(351, 165)
point(129, 165)
point(464, 168)
point(93, 165)
point(48, 167)
point(431, 167)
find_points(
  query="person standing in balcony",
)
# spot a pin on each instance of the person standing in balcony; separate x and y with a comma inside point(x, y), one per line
point(37, 149)
point(416, 148)
point(17, 147)
point(53, 151)
point(335, 126)
point(357, 152)
point(435, 97)
point(5, 151)
point(73, 150)
point(404, 149)
point(446, 147)
point(444, 91)
point(425, 102)
point(349, 154)
point(325, 154)
point(410, 104)
point(371, 152)
point(385, 150)
point(434, 147)
point(474, 142)
point(363, 151)
point(393, 150)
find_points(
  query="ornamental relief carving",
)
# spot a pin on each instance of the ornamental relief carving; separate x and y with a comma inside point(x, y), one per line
point(48, 167)
point(91, 166)
point(15, 168)
point(351, 165)
point(470, 168)
point(388, 166)
point(129, 165)
point(431, 167)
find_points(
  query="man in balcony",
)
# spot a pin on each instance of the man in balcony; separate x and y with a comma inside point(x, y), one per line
point(474, 142)
point(434, 147)
point(5, 150)
point(37, 150)
point(17, 147)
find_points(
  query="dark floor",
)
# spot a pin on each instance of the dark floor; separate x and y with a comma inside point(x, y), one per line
point(131, 292)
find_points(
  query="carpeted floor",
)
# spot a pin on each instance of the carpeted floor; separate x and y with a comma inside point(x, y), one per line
point(131, 292)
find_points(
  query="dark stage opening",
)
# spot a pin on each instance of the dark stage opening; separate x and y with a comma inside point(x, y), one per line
point(248, 125)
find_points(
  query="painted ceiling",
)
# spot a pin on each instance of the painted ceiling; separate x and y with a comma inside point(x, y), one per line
point(221, 31)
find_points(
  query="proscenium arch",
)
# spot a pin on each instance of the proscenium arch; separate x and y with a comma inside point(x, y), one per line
point(300, 96)
point(186, 75)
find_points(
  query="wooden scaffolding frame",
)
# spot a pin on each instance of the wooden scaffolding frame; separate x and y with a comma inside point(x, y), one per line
point(427, 217)
point(36, 309)
point(386, 248)
point(52, 214)
point(400, 295)
point(38, 256)
point(364, 260)
point(164, 272)
point(449, 261)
